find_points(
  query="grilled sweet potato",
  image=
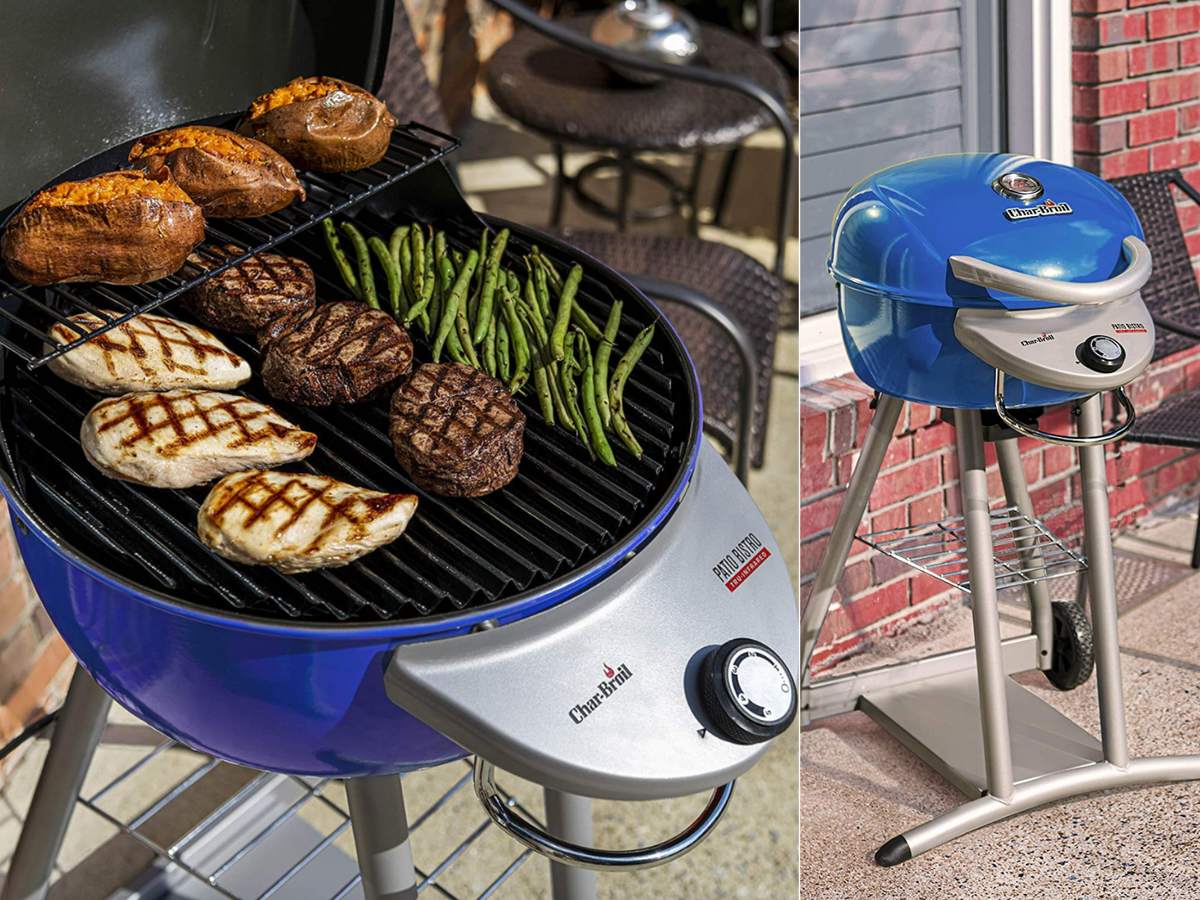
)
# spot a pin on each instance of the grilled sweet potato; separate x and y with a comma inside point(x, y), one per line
point(228, 174)
point(321, 124)
point(120, 228)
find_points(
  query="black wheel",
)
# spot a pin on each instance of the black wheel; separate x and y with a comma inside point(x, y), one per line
point(1073, 655)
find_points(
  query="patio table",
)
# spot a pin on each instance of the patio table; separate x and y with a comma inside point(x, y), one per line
point(568, 97)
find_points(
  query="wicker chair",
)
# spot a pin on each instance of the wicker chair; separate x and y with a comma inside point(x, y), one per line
point(1173, 299)
point(732, 343)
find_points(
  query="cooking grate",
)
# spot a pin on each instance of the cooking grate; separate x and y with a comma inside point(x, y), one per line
point(413, 147)
point(561, 511)
point(1024, 550)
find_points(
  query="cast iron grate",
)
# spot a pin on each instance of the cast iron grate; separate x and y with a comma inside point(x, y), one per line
point(561, 511)
point(413, 146)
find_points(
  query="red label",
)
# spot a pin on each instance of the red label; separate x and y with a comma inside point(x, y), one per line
point(1130, 330)
point(748, 569)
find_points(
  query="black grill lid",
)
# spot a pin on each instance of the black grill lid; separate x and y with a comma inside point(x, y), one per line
point(77, 76)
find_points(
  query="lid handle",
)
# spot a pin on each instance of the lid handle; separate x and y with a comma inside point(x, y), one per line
point(993, 277)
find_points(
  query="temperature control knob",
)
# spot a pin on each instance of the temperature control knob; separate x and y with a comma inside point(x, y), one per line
point(748, 691)
point(1100, 353)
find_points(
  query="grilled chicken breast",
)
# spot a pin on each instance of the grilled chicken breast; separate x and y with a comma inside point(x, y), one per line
point(456, 430)
point(246, 297)
point(181, 438)
point(337, 353)
point(147, 353)
point(296, 523)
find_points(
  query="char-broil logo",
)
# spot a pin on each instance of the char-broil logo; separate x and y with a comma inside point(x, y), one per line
point(1040, 339)
point(1049, 208)
point(1129, 327)
point(604, 690)
point(740, 562)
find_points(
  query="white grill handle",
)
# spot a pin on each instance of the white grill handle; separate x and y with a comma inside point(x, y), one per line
point(993, 277)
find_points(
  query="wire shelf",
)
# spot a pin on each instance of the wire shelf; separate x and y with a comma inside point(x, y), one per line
point(225, 850)
point(412, 147)
point(1024, 550)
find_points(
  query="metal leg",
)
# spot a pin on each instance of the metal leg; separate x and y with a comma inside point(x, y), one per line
point(724, 183)
point(1016, 491)
point(989, 658)
point(381, 838)
point(76, 734)
point(624, 186)
point(560, 186)
point(837, 551)
point(570, 817)
point(1102, 586)
point(692, 190)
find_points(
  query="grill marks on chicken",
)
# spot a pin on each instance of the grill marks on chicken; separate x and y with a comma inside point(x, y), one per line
point(456, 430)
point(148, 352)
point(337, 353)
point(246, 297)
point(182, 438)
point(297, 523)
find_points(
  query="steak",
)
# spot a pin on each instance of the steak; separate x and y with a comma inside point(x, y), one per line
point(456, 430)
point(246, 297)
point(336, 353)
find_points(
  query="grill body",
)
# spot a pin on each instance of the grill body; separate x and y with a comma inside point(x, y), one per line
point(895, 232)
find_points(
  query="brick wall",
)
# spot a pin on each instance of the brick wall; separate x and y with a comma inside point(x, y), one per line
point(1136, 74)
point(878, 595)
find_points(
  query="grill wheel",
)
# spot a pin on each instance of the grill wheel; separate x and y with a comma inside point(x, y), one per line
point(1073, 655)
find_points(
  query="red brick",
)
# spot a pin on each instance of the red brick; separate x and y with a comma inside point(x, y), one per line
point(813, 426)
point(908, 481)
point(845, 467)
point(1131, 162)
point(1189, 217)
point(1105, 31)
point(1179, 473)
point(926, 509)
point(1189, 51)
point(934, 437)
point(924, 587)
point(884, 568)
point(855, 579)
point(1096, 6)
point(1098, 66)
point(1114, 99)
point(898, 451)
point(841, 430)
point(1049, 498)
point(1134, 4)
point(818, 478)
point(1057, 459)
point(1150, 127)
point(1193, 244)
point(868, 609)
point(1032, 463)
point(1125, 498)
point(1172, 20)
point(1155, 455)
point(1152, 58)
point(953, 501)
point(1175, 154)
point(1167, 89)
point(810, 556)
point(1189, 117)
point(819, 515)
point(890, 520)
point(1088, 162)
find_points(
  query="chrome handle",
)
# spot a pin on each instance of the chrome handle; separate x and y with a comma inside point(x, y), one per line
point(1064, 439)
point(989, 275)
point(525, 832)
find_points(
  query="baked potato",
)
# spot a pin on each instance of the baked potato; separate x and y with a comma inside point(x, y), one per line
point(228, 174)
point(119, 228)
point(321, 124)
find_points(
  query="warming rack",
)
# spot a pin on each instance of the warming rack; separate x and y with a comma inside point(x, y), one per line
point(412, 148)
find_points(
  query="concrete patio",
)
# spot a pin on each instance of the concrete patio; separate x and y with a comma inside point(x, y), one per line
point(860, 787)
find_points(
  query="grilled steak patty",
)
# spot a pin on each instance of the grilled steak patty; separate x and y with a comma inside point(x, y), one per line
point(456, 430)
point(335, 353)
point(244, 298)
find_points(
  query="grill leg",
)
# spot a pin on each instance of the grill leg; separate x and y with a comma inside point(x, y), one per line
point(76, 734)
point(837, 551)
point(981, 568)
point(1016, 490)
point(381, 837)
point(570, 817)
point(1102, 586)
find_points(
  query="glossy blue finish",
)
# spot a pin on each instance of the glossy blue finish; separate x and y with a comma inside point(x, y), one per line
point(894, 234)
point(896, 229)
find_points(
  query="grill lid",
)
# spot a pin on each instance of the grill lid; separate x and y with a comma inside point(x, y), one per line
point(895, 231)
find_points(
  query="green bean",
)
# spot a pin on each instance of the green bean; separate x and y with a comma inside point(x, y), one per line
point(483, 255)
point(551, 273)
point(439, 245)
point(464, 336)
point(491, 272)
point(503, 354)
point(445, 283)
point(489, 349)
point(540, 345)
point(571, 390)
point(408, 295)
point(519, 343)
point(616, 389)
point(417, 279)
point(591, 412)
point(446, 323)
point(584, 321)
point(339, 258)
point(542, 293)
point(563, 317)
point(398, 236)
point(457, 258)
point(366, 278)
point(390, 271)
point(603, 350)
point(541, 381)
point(454, 348)
point(578, 316)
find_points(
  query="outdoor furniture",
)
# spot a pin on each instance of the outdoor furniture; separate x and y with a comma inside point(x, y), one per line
point(573, 98)
point(1174, 302)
